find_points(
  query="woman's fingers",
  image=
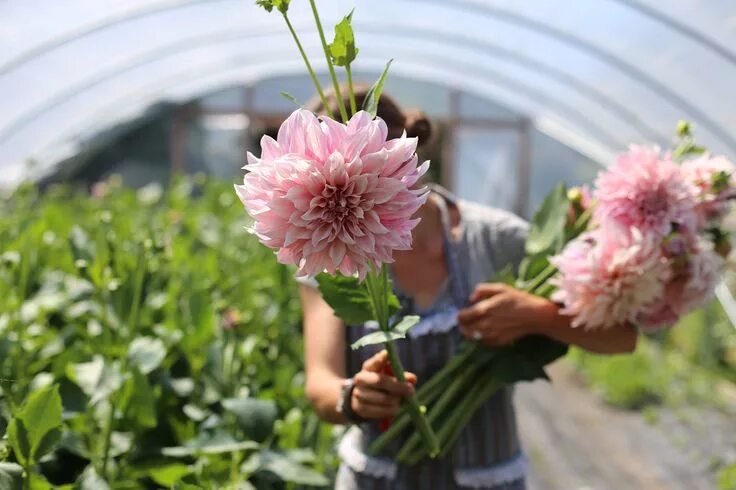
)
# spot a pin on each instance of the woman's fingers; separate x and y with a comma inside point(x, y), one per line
point(377, 362)
point(486, 290)
point(385, 383)
point(374, 397)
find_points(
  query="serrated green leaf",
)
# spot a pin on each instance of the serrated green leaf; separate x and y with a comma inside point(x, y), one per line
point(547, 229)
point(256, 417)
point(370, 103)
point(343, 50)
point(138, 401)
point(146, 353)
point(348, 297)
point(19, 441)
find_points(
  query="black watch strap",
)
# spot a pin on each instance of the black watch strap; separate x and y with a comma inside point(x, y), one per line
point(344, 406)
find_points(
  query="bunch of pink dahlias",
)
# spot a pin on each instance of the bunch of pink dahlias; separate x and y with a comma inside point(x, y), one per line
point(655, 245)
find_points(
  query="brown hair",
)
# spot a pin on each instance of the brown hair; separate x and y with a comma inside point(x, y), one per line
point(413, 121)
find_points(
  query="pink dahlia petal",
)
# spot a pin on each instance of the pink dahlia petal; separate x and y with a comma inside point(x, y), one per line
point(333, 197)
point(645, 191)
point(607, 277)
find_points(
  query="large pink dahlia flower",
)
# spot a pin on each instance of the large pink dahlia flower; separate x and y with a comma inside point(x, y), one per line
point(645, 191)
point(334, 197)
point(607, 276)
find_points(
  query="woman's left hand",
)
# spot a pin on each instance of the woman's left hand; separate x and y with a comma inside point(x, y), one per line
point(502, 314)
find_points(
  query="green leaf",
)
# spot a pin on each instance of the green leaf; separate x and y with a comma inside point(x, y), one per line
point(547, 230)
point(532, 266)
point(287, 469)
point(525, 359)
point(97, 379)
point(348, 297)
point(342, 49)
point(167, 475)
point(39, 422)
point(281, 5)
point(350, 300)
point(219, 443)
point(405, 324)
point(292, 99)
point(11, 476)
point(91, 480)
point(255, 417)
point(370, 103)
point(146, 353)
point(47, 443)
point(138, 401)
point(379, 337)
point(505, 275)
point(20, 441)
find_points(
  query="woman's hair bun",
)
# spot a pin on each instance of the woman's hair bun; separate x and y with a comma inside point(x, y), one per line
point(417, 125)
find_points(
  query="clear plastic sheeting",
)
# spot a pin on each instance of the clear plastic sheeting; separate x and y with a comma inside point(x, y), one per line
point(593, 75)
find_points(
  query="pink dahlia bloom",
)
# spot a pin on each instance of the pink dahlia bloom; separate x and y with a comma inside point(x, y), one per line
point(606, 276)
point(714, 180)
point(334, 197)
point(690, 287)
point(645, 191)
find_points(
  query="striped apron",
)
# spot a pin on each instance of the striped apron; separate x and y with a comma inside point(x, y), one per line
point(487, 456)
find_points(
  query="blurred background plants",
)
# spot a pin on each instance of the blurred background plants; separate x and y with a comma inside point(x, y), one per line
point(148, 341)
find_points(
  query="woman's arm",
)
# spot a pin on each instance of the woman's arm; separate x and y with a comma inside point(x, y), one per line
point(502, 314)
point(375, 395)
point(324, 345)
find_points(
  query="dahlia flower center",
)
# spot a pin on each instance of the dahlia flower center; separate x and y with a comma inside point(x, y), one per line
point(654, 203)
point(339, 204)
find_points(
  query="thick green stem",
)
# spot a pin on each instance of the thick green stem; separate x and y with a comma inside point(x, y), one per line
point(351, 91)
point(416, 412)
point(410, 453)
point(107, 440)
point(541, 278)
point(309, 67)
point(378, 288)
point(462, 415)
point(330, 67)
point(427, 393)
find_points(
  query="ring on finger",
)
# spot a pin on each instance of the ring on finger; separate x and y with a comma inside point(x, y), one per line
point(477, 335)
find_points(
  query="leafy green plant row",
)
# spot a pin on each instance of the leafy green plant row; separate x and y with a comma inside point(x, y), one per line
point(148, 341)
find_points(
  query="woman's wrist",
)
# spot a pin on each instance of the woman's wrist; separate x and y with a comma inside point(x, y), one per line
point(546, 317)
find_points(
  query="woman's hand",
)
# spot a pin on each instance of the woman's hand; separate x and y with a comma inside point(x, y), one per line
point(377, 395)
point(502, 314)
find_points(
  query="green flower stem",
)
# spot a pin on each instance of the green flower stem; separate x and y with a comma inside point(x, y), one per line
point(540, 279)
point(378, 288)
point(309, 67)
point(411, 446)
point(351, 91)
point(107, 440)
point(340, 102)
point(428, 392)
point(462, 414)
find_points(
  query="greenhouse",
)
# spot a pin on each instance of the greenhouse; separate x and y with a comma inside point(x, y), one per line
point(172, 339)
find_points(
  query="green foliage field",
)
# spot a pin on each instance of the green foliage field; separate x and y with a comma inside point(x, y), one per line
point(148, 341)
